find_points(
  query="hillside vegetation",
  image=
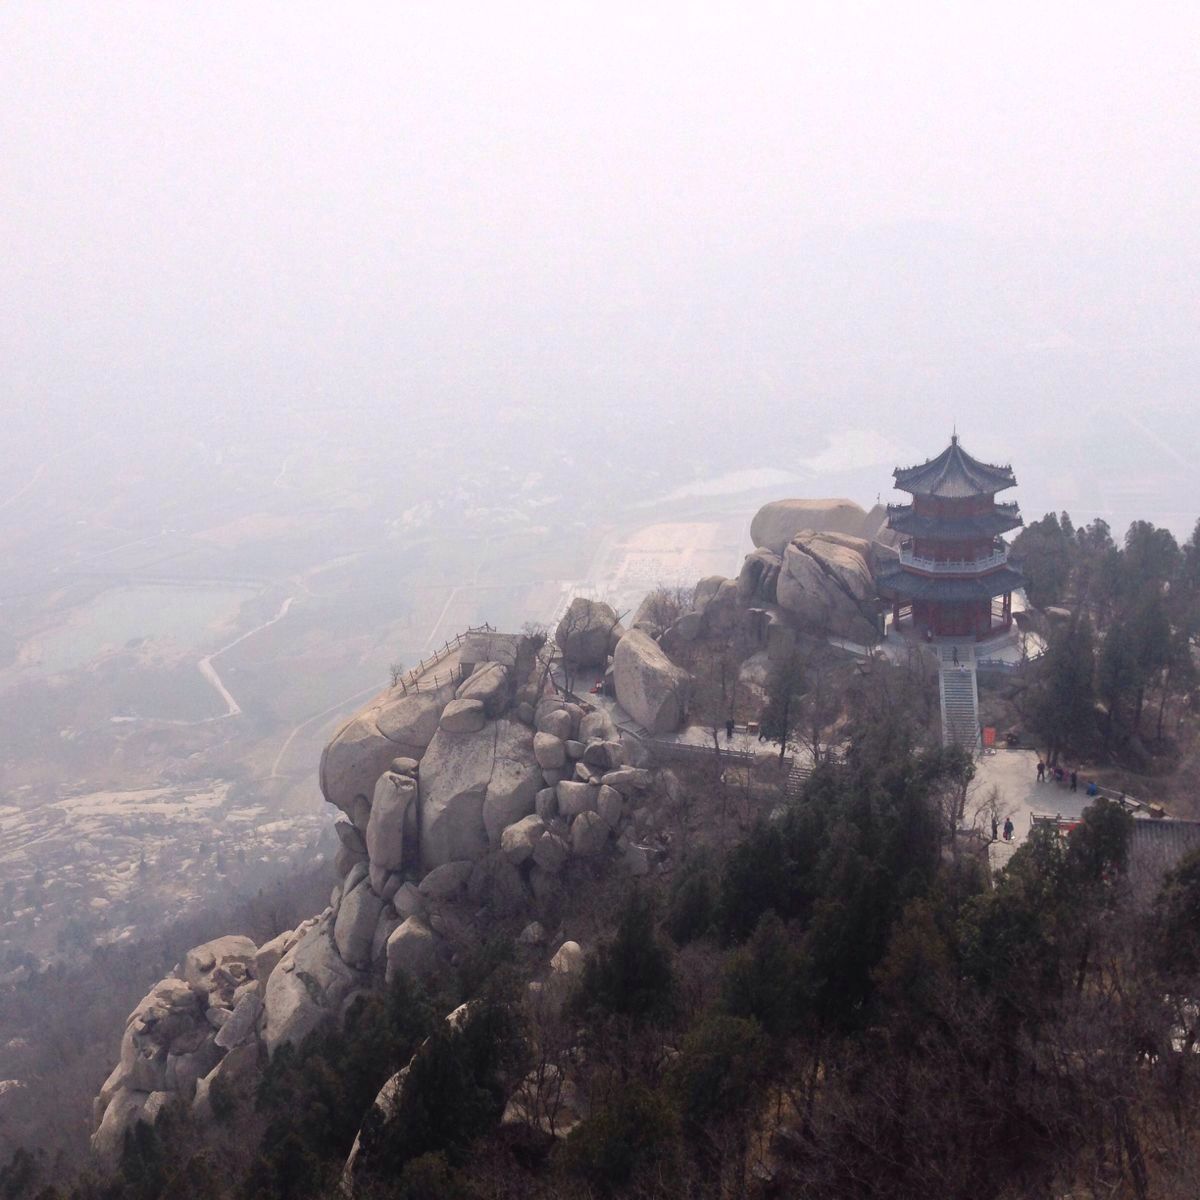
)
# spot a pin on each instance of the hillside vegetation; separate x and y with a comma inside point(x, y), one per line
point(835, 1005)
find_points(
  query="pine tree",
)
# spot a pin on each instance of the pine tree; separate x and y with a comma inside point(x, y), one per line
point(1061, 706)
point(631, 975)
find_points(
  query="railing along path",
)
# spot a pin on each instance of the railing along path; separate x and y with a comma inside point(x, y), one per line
point(411, 681)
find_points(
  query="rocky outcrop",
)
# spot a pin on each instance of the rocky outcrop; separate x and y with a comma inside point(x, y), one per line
point(463, 716)
point(827, 587)
point(519, 839)
point(472, 786)
point(354, 927)
point(447, 880)
point(179, 1034)
point(716, 604)
point(413, 949)
point(489, 684)
point(515, 780)
point(759, 577)
point(777, 523)
point(455, 774)
point(393, 815)
point(307, 988)
point(650, 687)
point(450, 810)
point(393, 724)
point(589, 834)
point(549, 751)
point(555, 718)
point(584, 635)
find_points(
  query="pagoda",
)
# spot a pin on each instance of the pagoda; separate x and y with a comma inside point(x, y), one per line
point(952, 577)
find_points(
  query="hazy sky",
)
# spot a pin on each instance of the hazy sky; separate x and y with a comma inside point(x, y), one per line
point(785, 221)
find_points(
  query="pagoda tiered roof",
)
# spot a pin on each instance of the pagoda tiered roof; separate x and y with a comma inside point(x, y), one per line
point(952, 589)
point(955, 475)
point(1001, 519)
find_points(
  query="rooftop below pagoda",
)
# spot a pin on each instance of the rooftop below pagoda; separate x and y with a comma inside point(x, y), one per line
point(954, 475)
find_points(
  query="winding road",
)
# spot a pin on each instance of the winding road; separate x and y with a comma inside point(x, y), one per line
point(210, 672)
point(206, 668)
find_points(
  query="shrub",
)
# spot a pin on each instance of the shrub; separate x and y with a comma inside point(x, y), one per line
point(636, 1130)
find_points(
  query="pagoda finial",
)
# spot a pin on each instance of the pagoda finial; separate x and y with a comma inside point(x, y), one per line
point(954, 434)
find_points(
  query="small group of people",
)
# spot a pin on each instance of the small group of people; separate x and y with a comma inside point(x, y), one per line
point(1061, 776)
point(1009, 828)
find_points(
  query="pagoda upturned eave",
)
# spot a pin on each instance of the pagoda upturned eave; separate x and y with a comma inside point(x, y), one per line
point(903, 518)
point(899, 582)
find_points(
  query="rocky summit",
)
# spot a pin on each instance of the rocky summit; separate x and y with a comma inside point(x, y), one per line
point(474, 788)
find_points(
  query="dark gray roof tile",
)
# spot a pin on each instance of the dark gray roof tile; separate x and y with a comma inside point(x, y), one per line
point(955, 475)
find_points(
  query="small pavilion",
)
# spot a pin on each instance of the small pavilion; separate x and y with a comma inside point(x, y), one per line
point(952, 577)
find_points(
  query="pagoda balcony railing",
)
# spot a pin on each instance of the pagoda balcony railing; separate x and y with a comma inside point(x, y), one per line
point(942, 566)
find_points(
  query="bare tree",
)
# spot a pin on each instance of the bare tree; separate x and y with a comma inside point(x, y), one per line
point(804, 699)
point(664, 605)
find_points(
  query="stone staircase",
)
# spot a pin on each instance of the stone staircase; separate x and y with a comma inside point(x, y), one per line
point(960, 695)
point(797, 777)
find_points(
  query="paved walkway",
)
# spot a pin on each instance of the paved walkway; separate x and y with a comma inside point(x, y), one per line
point(695, 737)
point(1013, 773)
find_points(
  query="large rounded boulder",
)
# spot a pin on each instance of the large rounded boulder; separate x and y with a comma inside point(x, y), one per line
point(391, 816)
point(758, 577)
point(392, 725)
point(584, 634)
point(306, 989)
point(472, 787)
point(826, 585)
point(652, 689)
point(776, 523)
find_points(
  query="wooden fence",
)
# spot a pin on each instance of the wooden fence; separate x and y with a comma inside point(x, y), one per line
point(412, 683)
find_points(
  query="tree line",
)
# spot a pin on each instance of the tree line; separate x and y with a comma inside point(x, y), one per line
point(1120, 667)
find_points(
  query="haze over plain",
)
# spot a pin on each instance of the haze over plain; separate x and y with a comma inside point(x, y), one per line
point(731, 237)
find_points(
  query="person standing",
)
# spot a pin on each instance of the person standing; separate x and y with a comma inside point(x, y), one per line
point(1008, 829)
point(729, 730)
point(995, 827)
point(1041, 771)
point(1074, 781)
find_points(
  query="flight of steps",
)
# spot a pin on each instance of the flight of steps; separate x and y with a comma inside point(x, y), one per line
point(960, 695)
point(797, 777)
